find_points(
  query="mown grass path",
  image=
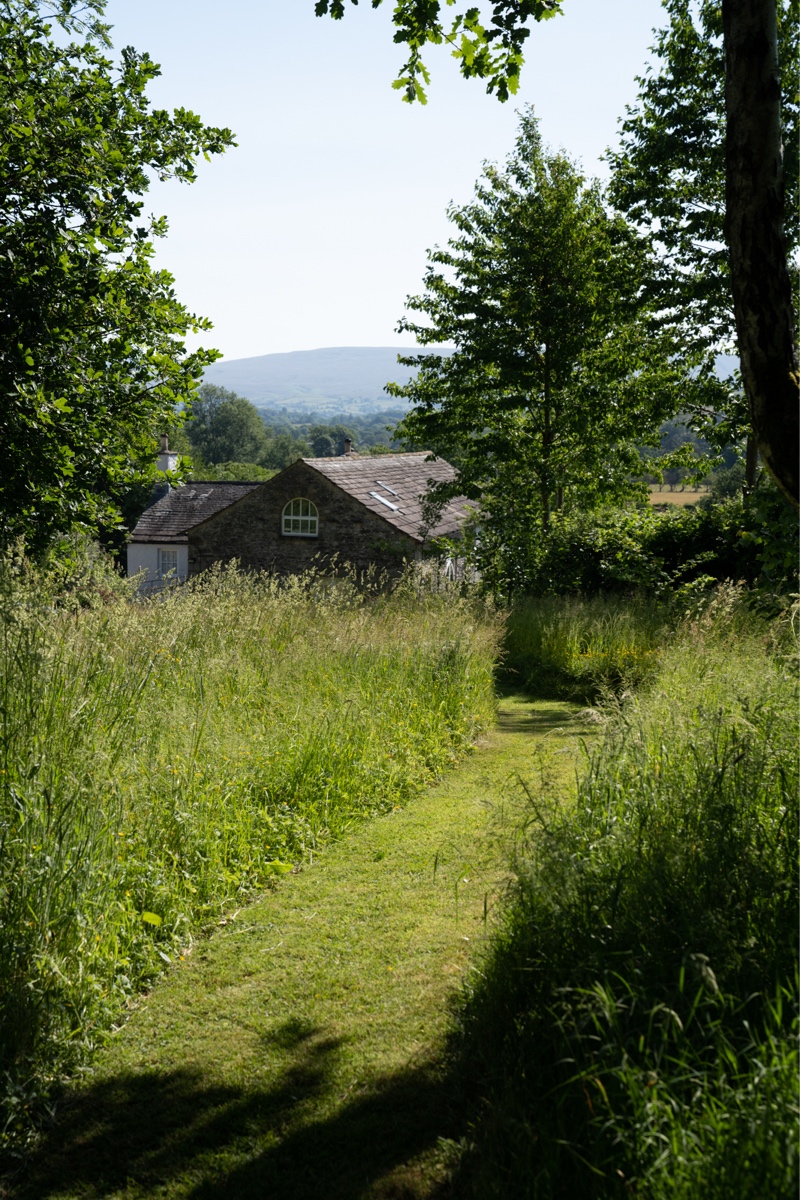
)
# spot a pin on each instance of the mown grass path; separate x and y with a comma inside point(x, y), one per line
point(298, 1052)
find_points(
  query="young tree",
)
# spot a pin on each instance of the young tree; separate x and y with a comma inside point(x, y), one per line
point(557, 371)
point(92, 359)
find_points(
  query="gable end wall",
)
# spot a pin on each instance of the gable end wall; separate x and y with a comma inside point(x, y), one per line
point(250, 530)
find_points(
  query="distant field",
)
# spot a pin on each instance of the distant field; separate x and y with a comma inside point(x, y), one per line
point(665, 496)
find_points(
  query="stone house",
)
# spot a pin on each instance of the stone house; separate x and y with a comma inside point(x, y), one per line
point(159, 545)
point(361, 510)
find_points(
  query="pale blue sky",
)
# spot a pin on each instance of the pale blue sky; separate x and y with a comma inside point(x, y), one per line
point(313, 231)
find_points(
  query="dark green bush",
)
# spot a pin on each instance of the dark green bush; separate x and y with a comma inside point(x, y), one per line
point(644, 549)
point(625, 550)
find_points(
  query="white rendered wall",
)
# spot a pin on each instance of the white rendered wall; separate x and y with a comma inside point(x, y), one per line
point(144, 556)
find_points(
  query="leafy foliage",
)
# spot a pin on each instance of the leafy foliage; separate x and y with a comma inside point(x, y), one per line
point(328, 440)
point(669, 178)
point(285, 448)
point(771, 527)
point(247, 472)
point(492, 51)
point(227, 432)
point(225, 427)
point(92, 360)
point(755, 181)
point(558, 372)
point(626, 550)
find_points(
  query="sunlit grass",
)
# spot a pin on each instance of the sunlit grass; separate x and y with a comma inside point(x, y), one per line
point(576, 646)
point(164, 760)
point(634, 1028)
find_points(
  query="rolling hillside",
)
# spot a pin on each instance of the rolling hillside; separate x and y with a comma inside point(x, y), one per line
point(331, 381)
point(338, 379)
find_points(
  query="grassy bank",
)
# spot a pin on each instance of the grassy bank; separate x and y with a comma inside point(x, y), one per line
point(633, 1030)
point(162, 761)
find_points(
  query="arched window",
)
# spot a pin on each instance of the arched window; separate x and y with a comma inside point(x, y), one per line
point(300, 519)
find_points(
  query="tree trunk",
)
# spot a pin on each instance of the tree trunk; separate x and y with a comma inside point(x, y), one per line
point(750, 465)
point(754, 208)
point(547, 437)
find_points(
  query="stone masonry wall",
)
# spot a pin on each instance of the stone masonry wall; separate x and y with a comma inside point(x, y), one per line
point(250, 530)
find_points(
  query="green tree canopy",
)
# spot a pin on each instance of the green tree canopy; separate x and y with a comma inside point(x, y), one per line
point(284, 449)
point(232, 471)
point(225, 427)
point(92, 357)
point(328, 440)
point(557, 370)
point(755, 179)
point(669, 178)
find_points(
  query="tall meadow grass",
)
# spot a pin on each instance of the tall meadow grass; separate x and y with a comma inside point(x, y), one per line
point(576, 647)
point(163, 760)
point(633, 1030)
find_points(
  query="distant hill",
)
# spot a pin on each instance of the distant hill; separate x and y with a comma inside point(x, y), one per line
point(339, 379)
point(336, 380)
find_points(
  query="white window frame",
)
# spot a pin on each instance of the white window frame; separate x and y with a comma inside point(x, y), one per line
point(171, 555)
point(300, 518)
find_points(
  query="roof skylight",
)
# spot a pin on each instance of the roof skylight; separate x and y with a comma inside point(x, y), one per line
point(383, 500)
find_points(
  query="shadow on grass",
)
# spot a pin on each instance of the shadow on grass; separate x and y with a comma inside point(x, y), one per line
point(177, 1133)
point(547, 683)
point(535, 721)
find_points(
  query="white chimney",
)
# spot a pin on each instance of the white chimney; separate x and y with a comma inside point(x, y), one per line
point(167, 459)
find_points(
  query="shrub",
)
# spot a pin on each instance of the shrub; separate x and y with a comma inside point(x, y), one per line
point(627, 550)
point(642, 549)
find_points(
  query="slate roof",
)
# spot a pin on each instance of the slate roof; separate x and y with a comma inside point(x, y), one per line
point(168, 520)
point(390, 485)
point(393, 485)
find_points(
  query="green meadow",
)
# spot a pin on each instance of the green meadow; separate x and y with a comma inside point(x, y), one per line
point(565, 968)
point(165, 760)
point(632, 1028)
